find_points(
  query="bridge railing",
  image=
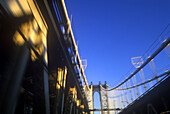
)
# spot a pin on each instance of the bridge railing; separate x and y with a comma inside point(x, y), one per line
point(66, 28)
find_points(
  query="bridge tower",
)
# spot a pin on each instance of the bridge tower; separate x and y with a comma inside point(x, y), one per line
point(104, 103)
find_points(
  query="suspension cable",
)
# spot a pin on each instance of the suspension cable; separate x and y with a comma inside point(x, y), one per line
point(166, 73)
point(156, 77)
point(147, 51)
point(163, 45)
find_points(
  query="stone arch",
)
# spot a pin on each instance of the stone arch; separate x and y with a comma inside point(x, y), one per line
point(103, 96)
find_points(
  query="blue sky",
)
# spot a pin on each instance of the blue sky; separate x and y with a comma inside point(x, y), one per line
point(110, 32)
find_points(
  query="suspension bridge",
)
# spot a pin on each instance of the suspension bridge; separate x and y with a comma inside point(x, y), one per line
point(41, 70)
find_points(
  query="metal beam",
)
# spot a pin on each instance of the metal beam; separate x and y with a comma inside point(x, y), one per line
point(15, 81)
point(63, 48)
point(111, 109)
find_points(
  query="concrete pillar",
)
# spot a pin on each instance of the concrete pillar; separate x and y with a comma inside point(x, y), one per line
point(17, 75)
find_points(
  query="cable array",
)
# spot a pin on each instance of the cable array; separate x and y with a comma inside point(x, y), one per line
point(150, 58)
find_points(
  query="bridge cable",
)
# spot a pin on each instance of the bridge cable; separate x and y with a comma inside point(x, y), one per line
point(163, 45)
point(145, 53)
point(158, 38)
point(167, 75)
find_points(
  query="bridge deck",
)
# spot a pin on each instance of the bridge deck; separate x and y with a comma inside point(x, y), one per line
point(157, 100)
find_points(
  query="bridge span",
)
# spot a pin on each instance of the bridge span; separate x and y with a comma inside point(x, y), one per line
point(41, 71)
